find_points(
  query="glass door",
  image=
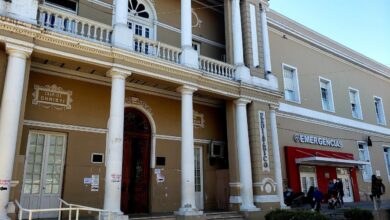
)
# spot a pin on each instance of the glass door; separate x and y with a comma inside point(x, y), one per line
point(343, 174)
point(198, 159)
point(308, 178)
point(42, 182)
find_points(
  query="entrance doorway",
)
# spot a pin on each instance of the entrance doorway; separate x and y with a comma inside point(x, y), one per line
point(308, 178)
point(343, 174)
point(43, 172)
point(136, 162)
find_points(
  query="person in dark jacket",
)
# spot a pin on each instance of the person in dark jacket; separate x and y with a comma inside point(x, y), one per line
point(377, 189)
point(340, 191)
point(310, 196)
point(318, 197)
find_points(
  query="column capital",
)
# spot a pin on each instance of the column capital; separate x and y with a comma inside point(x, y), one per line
point(242, 101)
point(274, 107)
point(186, 89)
point(18, 51)
point(116, 72)
point(264, 5)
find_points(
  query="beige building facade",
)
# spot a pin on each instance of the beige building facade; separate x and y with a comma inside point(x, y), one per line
point(179, 106)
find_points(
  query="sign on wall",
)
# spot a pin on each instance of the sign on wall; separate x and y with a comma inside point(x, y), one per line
point(198, 120)
point(52, 97)
point(264, 142)
point(317, 140)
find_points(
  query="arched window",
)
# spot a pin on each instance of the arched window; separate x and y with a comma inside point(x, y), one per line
point(141, 18)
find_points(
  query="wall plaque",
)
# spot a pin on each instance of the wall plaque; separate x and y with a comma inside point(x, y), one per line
point(52, 97)
point(264, 142)
point(198, 120)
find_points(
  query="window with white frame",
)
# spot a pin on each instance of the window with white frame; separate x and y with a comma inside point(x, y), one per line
point(355, 103)
point(326, 95)
point(291, 86)
point(379, 111)
point(365, 156)
point(387, 160)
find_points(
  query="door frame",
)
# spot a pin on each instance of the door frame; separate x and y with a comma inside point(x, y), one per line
point(45, 154)
point(201, 177)
point(350, 183)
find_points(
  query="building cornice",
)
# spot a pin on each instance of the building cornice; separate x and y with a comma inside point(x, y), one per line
point(298, 31)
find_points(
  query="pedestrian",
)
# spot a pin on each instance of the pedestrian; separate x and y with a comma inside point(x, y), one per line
point(310, 196)
point(340, 192)
point(330, 188)
point(377, 189)
point(318, 197)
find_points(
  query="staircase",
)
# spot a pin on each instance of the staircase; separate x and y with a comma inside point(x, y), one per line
point(209, 216)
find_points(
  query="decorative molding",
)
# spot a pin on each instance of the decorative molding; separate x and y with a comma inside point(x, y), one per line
point(235, 184)
point(64, 126)
point(138, 102)
point(199, 121)
point(235, 199)
point(265, 184)
point(101, 3)
point(177, 138)
point(52, 97)
point(199, 22)
point(324, 119)
point(266, 198)
point(194, 37)
point(323, 47)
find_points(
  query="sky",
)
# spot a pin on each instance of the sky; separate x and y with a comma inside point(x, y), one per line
point(362, 25)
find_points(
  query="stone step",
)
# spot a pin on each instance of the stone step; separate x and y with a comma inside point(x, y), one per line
point(209, 216)
point(224, 215)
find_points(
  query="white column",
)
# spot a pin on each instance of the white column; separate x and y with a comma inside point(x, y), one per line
point(122, 36)
point(9, 118)
point(242, 72)
point(266, 49)
point(188, 206)
point(189, 57)
point(244, 156)
point(113, 181)
point(276, 154)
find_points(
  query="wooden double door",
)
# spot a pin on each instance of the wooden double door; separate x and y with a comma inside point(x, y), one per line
point(136, 163)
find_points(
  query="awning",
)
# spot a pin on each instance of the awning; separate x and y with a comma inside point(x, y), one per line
point(329, 161)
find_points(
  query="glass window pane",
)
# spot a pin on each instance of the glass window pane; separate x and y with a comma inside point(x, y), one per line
point(37, 169)
point(27, 189)
point(55, 189)
point(60, 141)
point(28, 179)
point(35, 189)
point(48, 189)
point(41, 139)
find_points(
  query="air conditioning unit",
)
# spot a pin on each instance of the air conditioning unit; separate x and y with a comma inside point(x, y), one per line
point(216, 150)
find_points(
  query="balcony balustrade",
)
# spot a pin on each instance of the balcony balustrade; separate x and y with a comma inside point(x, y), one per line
point(71, 24)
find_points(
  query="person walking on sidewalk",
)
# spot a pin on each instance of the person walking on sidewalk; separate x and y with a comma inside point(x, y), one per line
point(318, 196)
point(377, 189)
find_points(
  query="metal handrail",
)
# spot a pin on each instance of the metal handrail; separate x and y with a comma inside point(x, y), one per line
point(71, 207)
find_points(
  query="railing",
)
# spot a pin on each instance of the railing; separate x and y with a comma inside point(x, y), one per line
point(216, 67)
point(66, 22)
point(63, 21)
point(156, 49)
point(71, 208)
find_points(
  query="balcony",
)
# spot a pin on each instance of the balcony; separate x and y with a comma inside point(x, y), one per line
point(76, 26)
